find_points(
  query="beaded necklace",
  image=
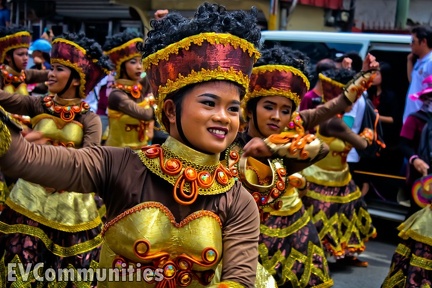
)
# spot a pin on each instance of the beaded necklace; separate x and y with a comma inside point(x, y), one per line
point(134, 90)
point(67, 112)
point(9, 78)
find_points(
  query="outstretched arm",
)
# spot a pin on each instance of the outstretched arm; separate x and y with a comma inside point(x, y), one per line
point(19, 104)
point(120, 101)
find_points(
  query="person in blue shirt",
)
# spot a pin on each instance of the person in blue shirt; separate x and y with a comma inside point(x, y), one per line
point(4, 14)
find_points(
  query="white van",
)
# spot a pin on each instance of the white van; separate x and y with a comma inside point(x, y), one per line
point(393, 49)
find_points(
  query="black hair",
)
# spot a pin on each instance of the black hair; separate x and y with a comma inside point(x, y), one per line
point(121, 38)
point(93, 48)
point(208, 18)
point(323, 65)
point(280, 55)
point(340, 75)
point(423, 32)
point(357, 61)
point(387, 81)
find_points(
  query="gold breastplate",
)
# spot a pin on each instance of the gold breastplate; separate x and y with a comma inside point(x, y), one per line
point(13, 81)
point(336, 158)
point(185, 254)
point(60, 132)
point(126, 131)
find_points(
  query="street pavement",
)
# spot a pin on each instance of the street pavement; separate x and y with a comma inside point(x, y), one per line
point(378, 253)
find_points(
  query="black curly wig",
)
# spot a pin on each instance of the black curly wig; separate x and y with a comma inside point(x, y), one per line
point(340, 75)
point(280, 55)
point(208, 18)
point(121, 38)
point(93, 48)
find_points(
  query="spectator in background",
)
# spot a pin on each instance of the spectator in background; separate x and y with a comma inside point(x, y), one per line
point(313, 97)
point(419, 65)
point(48, 34)
point(4, 14)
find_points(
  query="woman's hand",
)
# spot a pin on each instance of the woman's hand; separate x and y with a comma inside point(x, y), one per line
point(257, 148)
point(36, 137)
point(370, 63)
point(421, 166)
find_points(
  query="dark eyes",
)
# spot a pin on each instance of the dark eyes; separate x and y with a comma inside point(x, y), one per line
point(270, 108)
point(213, 104)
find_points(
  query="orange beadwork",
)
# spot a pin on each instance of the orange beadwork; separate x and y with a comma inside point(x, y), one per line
point(134, 90)
point(141, 128)
point(235, 156)
point(201, 179)
point(8, 78)
point(67, 113)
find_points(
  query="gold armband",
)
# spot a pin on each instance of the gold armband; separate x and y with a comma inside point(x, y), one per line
point(297, 180)
point(228, 284)
point(5, 135)
point(292, 145)
point(360, 83)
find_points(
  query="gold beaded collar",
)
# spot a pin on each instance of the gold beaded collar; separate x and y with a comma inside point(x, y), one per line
point(65, 108)
point(192, 173)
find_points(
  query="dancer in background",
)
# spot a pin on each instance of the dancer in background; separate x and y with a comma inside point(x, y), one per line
point(173, 207)
point(130, 103)
point(290, 248)
point(332, 198)
point(48, 225)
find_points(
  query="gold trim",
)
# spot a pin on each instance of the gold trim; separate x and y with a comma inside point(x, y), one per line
point(198, 77)
point(285, 232)
point(49, 244)
point(58, 226)
point(271, 92)
point(127, 57)
point(334, 199)
point(271, 261)
point(5, 135)
point(16, 46)
point(74, 66)
point(421, 262)
point(324, 78)
point(229, 284)
point(284, 68)
point(210, 37)
point(62, 40)
point(289, 212)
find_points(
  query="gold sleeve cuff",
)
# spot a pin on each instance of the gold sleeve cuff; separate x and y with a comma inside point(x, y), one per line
point(360, 83)
point(5, 138)
point(302, 148)
point(228, 284)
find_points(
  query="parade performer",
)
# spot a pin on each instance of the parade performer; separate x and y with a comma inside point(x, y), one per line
point(290, 248)
point(172, 208)
point(130, 103)
point(39, 224)
point(411, 262)
point(14, 45)
point(332, 198)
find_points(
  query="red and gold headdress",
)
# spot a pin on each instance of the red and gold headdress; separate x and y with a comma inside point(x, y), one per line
point(199, 58)
point(332, 82)
point(277, 80)
point(13, 41)
point(72, 55)
point(124, 52)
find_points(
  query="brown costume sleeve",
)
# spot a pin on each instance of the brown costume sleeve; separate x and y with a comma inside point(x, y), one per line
point(240, 239)
point(92, 130)
point(313, 117)
point(335, 127)
point(20, 104)
point(81, 170)
point(36, 76)
point(120, 101)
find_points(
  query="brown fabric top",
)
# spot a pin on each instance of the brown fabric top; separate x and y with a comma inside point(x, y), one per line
point(121, 179)
point(120, 101)
point(32, 106)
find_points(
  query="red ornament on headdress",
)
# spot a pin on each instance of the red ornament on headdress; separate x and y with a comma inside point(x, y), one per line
point(277, 80)
point(199, 58)
point(72, 55)
point(17, 40)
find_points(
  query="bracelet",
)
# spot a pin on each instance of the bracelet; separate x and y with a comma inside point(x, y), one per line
point(412, 158)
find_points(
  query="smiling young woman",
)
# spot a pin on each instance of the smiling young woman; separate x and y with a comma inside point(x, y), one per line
point(173, 207)
point(48, 225)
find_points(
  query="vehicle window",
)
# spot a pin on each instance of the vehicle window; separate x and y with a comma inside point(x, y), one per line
point(318, 50)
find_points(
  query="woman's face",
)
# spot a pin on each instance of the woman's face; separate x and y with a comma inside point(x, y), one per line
point(20, 58)
point(134, 68)
point(210, 116)
point(58, 77)
point(273, 115)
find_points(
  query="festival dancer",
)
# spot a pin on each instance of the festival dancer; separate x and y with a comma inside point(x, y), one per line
point(173, 207)
point(130, 103)
point(332, 198)
point(47, 225)
point(289, 248)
